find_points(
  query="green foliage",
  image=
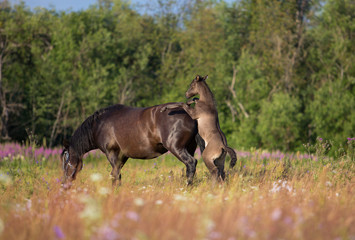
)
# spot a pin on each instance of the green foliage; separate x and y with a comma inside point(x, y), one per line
point(282, 72)
point(279, 122)
point(333, 112)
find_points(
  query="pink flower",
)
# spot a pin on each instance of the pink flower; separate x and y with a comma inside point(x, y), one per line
point(132, 216)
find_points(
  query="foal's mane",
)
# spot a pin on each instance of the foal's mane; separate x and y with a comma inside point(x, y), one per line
point(83, 140)
point(210, 92)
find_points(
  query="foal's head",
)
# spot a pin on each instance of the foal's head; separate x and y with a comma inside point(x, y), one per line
point(195, 85)
point(71, 163)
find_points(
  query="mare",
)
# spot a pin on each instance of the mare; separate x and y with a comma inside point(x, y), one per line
point(123, 132)
point(205, 112)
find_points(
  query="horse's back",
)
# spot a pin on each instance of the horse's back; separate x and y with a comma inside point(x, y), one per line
point(142, 132)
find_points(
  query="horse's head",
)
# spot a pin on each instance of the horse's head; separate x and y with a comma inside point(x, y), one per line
point(71, 164)
point(195, 85)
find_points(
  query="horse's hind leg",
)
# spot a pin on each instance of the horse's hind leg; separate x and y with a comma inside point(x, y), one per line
point(189, 161)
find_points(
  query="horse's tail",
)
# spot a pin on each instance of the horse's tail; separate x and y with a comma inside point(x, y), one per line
point(233, 156)
point(200, 142)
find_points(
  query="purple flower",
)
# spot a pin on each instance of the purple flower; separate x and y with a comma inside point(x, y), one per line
point(214, 235)
point(320, 139)
point(58, 232)
point(288, 220)
point(107, 233)
point(132, 216)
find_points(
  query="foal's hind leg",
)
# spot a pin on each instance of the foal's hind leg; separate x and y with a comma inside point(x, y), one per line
point(219, 163)
point(214, 160)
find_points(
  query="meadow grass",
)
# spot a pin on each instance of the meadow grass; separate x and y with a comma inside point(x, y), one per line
point(267, 196)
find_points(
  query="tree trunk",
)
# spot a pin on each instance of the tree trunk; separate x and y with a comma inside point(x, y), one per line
point(5, 110)
point(54, 128)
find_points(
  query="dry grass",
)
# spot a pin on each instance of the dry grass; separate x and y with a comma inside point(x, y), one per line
point(273, 200)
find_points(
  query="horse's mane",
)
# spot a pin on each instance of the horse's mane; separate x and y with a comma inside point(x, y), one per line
point(82, 140)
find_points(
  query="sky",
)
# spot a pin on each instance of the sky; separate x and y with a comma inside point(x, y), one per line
point(64, 5)
point(68, 5)
point(61, 5)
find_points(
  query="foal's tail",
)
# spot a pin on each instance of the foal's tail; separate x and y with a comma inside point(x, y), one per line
point(233, 156)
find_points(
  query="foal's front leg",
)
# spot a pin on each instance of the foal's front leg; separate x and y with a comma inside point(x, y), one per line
point(191, 111)
point(171, 106)
point(177, 105)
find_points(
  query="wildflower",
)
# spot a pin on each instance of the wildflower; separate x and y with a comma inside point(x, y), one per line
point(5, 179)
point(158, 202)
point(288, 221)
point(275, 188)
point(139, 201)
point(209, 224)
point(328, 184)
point(58, 232)
point(28, 204)
point(178, 197)
point(104, 191)
point(107, 233)
point(276, 214)
point(92, 210)
point(132, 216)
point(214, 235)
point(320, 139)
point(96, 177)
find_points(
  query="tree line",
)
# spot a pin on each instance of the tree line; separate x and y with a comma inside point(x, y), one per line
point(282, 72)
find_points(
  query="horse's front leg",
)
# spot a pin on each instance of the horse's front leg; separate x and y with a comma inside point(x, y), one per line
point(117, 160)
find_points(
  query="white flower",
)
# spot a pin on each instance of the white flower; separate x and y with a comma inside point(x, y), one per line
point(139, 201)
point(96, 177)
point(178, 197)
point(104, 191)
point(5, 179)
point(328, 184)
point(158, 202)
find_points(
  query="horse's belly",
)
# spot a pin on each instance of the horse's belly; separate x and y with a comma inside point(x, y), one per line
point(143, 154)
point(144, 151)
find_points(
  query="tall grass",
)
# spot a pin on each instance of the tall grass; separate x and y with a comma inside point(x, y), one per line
point(268, 196)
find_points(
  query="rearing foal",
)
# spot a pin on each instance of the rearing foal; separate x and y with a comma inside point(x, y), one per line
point(205, 112)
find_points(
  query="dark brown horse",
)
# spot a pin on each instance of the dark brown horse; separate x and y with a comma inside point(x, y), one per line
point(123, 132)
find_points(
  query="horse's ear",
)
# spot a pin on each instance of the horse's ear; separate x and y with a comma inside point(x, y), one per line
point(65, 143)
point(205, 78)
point(197, 78)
